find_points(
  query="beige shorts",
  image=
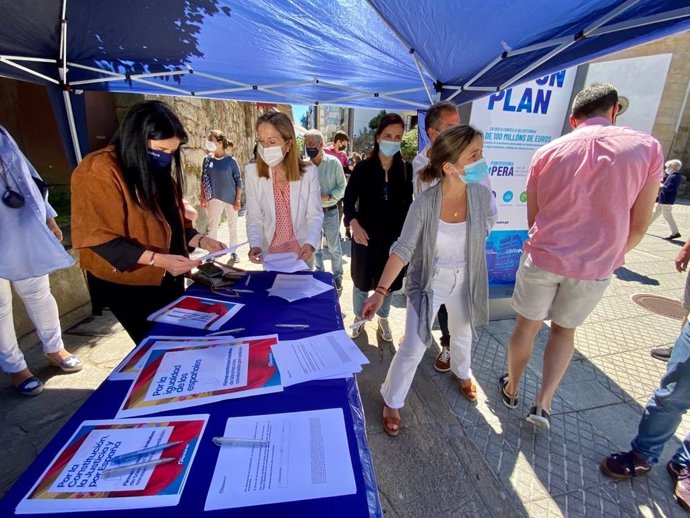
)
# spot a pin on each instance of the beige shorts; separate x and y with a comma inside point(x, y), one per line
point(540, 295)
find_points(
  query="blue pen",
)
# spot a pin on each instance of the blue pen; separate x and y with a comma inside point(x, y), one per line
point(134, 454)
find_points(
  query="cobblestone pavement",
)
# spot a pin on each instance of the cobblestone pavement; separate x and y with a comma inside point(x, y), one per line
point(453, 458)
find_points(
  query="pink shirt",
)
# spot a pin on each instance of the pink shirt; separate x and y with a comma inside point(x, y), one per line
point(340, 155)
point(284, 239)
point(585, 184)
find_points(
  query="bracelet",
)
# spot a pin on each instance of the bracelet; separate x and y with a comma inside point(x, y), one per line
point(153, 259)
point(382, 290)
point(200, 240)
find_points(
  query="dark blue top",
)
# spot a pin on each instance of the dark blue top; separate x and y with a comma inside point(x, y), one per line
point(224, 175)
point(667, 194)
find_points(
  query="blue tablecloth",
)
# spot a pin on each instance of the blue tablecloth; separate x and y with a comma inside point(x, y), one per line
point(258, 317)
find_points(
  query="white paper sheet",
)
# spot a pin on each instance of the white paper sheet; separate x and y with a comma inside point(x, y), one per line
point(196, 371)
point(317, 357)
point(307, 457)
point(296, 287)
point(225, 251)
point(286, 262)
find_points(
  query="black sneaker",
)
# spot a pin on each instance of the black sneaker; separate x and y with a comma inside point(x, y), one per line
point(625, 465)
point(539, 417)
point(672, 237)
point(339, 286)
point(662, 353)
point(508, 400)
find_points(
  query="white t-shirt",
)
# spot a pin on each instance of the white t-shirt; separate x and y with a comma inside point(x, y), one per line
point(451, 245)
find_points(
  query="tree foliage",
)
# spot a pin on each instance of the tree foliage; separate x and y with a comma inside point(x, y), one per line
point(374, 122)
point(408, 145)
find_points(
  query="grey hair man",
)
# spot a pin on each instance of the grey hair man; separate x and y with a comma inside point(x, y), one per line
point(332, 180)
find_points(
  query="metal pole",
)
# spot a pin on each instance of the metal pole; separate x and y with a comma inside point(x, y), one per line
point(65, 88)
point(678, 121)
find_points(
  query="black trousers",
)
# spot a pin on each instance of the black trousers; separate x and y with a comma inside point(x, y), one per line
point(131, 305)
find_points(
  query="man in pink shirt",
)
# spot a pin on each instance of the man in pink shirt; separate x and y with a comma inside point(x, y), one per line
point(589, 197)
point(337, 149)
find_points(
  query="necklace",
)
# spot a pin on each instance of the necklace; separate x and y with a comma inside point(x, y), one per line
point(455, 200)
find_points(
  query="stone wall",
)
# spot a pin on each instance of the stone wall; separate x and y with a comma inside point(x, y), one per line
point(199, 116)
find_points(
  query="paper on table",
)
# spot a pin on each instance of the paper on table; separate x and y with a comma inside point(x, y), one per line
point(196, 375)
point(296, 287)
point(197, 312)
point(134, 361)
point(285, 262)
point(317, 357)
point(225, 251)
point(74, 481)
point(307, 457)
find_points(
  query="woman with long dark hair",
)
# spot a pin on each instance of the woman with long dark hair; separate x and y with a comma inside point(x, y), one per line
point(376, 201)
point(444, 243)
point(128, 219)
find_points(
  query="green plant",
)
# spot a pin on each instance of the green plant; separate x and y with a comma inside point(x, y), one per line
point(408, 145)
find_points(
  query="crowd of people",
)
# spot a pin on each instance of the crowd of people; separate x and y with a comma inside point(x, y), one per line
point(426, 221)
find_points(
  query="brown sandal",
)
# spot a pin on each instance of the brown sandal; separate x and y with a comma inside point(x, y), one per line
point(389, 422)
point(470, 391)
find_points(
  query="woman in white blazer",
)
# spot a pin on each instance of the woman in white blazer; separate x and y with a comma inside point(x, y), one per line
point(283, 194)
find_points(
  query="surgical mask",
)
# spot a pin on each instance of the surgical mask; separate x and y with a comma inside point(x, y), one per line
point(475, 172)
point(312, 152)
point(211, 146)
point(159, 159)
point(271, 155)
point(389, 148)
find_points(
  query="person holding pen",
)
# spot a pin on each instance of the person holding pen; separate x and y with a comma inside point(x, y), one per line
point(443, 241)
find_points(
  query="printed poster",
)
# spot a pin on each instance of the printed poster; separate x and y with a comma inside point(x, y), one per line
point(196, 375)
point(197, 312)
point(78, 478)
point(516, 122)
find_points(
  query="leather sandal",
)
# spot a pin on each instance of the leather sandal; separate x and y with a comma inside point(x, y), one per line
point(389, 422)
point(469, 391)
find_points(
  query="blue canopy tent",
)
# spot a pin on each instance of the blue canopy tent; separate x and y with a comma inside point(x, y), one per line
point(388, 54)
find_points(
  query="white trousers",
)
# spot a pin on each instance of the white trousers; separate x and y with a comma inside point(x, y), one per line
point(665, 209)
point(450, 288)
point(214, 211)
point(43, 312)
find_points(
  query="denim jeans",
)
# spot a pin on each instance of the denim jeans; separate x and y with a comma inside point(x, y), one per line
point(663, 412)
point(331, 230)
point(358, 298)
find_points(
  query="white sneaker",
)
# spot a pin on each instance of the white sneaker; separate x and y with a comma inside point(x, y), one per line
point(357, 330)
point(385, 330)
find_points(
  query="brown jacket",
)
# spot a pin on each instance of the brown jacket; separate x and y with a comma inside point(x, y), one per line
point(103, 209)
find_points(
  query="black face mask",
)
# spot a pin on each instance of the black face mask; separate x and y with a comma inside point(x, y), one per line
point(13, 199)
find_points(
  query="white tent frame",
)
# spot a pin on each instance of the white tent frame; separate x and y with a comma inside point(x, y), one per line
point(560, 44)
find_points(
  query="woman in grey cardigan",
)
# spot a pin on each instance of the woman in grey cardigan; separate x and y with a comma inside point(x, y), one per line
point(444, 242)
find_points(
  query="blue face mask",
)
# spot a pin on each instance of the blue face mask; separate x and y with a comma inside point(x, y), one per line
point(159, 159)
point(312, 152)
point(389, 148)
point(475, 172)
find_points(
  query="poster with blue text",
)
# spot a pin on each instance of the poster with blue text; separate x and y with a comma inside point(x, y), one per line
point(516, 122)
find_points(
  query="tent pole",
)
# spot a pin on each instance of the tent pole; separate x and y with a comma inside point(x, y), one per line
point(65, 88)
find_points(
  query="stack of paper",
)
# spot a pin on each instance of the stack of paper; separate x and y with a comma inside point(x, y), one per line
point(326, 356)
point(295, 287)
point(287, 262)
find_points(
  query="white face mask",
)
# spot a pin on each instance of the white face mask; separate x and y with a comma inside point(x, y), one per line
point(271, 155)
point(211, 146)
